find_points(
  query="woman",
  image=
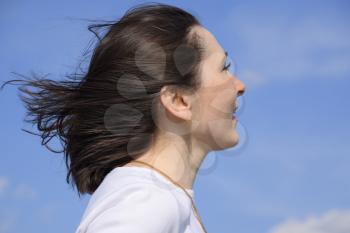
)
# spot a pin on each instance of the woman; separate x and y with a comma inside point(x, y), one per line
point(156, 99)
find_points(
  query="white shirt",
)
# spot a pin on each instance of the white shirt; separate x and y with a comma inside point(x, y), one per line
point(139, 200)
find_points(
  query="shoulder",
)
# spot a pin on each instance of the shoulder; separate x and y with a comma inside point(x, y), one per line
point(148, 198)
point(140, 207)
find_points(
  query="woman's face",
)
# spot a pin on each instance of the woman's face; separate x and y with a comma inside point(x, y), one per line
point(216, 98)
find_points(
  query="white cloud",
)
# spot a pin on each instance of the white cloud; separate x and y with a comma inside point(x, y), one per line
point(314, 46)
point(46, 214)
point(3, 184)
point(334, 221)
point(24, 191)
point(20, 191)
point(251, 78)
point(7, 222)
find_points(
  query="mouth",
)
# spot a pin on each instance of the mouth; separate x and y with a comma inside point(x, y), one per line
point(234, 112)
point(233, 116)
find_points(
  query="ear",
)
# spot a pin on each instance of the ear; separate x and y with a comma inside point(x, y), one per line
point(177, 103)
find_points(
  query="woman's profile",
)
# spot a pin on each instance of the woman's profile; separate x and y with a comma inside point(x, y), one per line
point(156, 98)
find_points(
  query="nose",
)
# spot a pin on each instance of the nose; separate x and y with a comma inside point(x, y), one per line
point(240, 87)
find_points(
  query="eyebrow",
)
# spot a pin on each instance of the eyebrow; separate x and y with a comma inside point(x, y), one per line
point(224, 58)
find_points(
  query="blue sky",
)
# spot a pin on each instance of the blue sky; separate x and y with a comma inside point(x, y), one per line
point(289, 174)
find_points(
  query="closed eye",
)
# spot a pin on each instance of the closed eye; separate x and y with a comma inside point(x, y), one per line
point(226, 67)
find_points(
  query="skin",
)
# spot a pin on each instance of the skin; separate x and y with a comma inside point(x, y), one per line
point(190, 125)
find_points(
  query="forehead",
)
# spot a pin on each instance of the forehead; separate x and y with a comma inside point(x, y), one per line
point(212, 61)
point(213, 49)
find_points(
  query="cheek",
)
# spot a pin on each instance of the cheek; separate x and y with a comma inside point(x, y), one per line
point(201, 115)
point(215, 103)
point(214, 113)
point(219, 96)
point(218, 133)
point(222, 103)
point(201, 112)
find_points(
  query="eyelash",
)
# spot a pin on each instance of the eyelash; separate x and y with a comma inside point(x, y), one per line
point(226, 67)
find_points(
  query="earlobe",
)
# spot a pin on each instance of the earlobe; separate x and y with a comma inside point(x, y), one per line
point(187, 106)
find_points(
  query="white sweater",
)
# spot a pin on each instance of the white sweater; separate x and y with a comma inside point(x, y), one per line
point(139, 200)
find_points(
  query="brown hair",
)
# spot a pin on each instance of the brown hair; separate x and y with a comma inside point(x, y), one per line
point(98, 113)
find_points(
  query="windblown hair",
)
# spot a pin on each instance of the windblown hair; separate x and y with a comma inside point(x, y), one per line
point(103, 117)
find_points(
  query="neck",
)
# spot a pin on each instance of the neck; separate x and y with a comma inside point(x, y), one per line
point(177, 156)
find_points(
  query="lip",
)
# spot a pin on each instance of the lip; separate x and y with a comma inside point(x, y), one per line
point(235, 109)
point(234, 112)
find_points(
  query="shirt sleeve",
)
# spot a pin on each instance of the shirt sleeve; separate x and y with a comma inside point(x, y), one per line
point(146, 210)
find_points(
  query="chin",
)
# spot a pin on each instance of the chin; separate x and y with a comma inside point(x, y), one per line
point(223, 136)
point(228, 142)
point(235, 140)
